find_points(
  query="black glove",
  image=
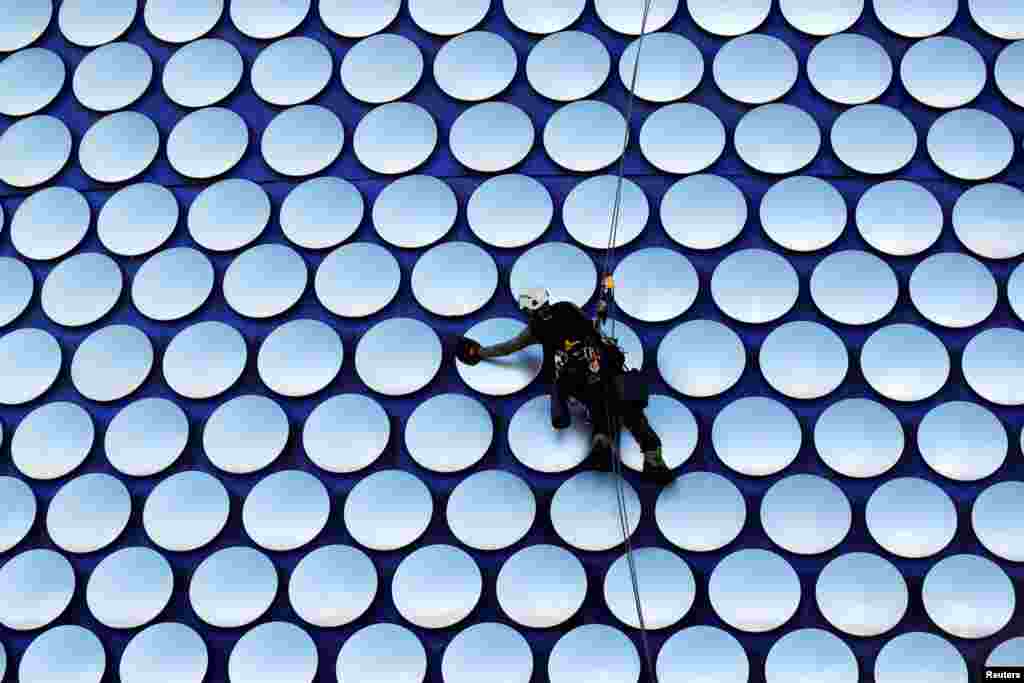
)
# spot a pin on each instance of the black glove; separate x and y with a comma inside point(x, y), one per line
point(468, 351)
point(561, 421)
point(602, 311)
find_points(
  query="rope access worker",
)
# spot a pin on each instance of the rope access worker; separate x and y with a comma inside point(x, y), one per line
point(588, 367)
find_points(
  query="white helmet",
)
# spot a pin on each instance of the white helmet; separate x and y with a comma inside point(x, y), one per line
point(532, 299)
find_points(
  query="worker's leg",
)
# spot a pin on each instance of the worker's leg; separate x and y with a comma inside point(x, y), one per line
point(650, 443)
point(604, 429)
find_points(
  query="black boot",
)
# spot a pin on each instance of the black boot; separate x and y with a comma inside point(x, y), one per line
point(655, 468)
point(601, 454)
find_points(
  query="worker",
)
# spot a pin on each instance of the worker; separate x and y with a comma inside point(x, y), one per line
point(588, 367)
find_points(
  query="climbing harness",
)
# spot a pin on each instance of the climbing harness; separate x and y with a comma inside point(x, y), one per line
point(605, 303)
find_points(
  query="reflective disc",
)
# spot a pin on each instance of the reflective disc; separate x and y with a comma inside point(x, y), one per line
point(943, 72)
point(382, 652)
point(491, 510)
point(854, 287)
point(302, 140)
point(970, 144)
point(436, 586)
point(88, 513)
point(24, 23)
point(186, 511)
point(682, 138)
point(585, 513)
point(332, 586)
point(673, 67)
point(34, 150)
point(543, 16)
point(594, 651)
point(355, 19)
point(321, 212)
point(756, 436)
point(568, 66)
point(992, 365)
point(953, 290)
point(905, 362)
point(806, 514)
point(381, 68)
point(172, 284)
point(112, 362)
point(962, 441)
point(395, 138)
point(803, 359)
point(64, 654)
point(203, 73)
point(81, 289)
point(700, 511)
point(911, 517)
point(1006, 653)
point(509, 211)
point(129, 588)
point(491, 137)
point(915, 18)
point(388, 510)
point(849, 68)
point(179, 21)
point(730, 18)
point(874, 138)
point(862, 594)
point(586, 210)
point(19, 511)
point(993, 508)
point(204, 360)
point(415, 211)
point(701, 358)
point(790, 658)
point(291, 71)
point(265, 19)
point(703, 211)
point(761, 145)
point(475, 66)
point(16, 289)
point(398, 356)
point(1014, 290)
point(754, 606)
point(674, 424)
point(275, 649)
point(803, 213)
point(207, 143)
point(30, 360)
point(245, 434)
point(775, 75)
point(265, 280)
point(998, 18)
point(566, 270)
point(535, 444)
point(487, 650)
point(968, 596)
point(754, 286)
point(448, 433)
point(723, 657)
point(119, 147)
point(146, 437)
point(987, 220)
point(1008, 72)
point(30, 80)
point(657, 284)
point(137, 219)
point(37, 588)
point(356, 280)
point(167, 651)
point(624, 17)
point(229, 214)
point(585, 136)
point(919, 657)
point(353, 419)
point(669, 588)
point(446, 19)
point(821, 18)
point(43, 453)
point(859, 438)
point(541, 586)
point(454, 279)
point(900, 218)
point(286, 510)
point(233, 587)
point(112, 77)
point(88, 25)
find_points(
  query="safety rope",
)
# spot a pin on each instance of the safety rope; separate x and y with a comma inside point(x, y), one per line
point(615, 421)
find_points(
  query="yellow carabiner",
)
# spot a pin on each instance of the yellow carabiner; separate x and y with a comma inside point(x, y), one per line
point(609, 283)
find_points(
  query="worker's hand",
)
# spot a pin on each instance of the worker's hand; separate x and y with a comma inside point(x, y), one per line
point(602, 311)
point(468, 351)
point(562, 421)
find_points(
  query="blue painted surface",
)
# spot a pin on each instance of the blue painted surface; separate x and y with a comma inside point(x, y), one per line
point(559, 182)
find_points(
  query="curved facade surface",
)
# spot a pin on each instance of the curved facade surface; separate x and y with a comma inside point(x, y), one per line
point(239, 238)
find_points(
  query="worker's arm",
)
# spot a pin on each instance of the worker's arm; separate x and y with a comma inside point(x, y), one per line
point(517, 343)
point(560, 417)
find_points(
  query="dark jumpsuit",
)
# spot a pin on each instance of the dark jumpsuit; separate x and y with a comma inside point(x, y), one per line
point(583, 367)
